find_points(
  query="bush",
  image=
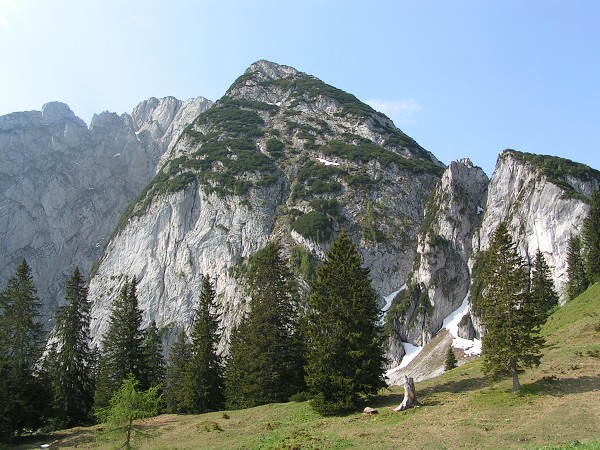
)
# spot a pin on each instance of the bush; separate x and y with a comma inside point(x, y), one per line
point(313, 225)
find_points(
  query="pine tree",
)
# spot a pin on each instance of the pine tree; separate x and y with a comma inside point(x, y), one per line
point(266, 352)
point(543, 295)
point(510, 318)
point(121, 349)
point(451, 361)
point(71, 359)
point(153, 363)
point(590, 237)
point(22, 390)
point(202, 388)
point(174, 379)
point(345, 358)
point(578, 281)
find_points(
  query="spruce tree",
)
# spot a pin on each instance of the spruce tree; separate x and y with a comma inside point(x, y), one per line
point(578, 281)
point(451, 361)
point(345, 356)
point(590, 236)
point(121, 348)
point(71, 359)
point(543, 295)
point(22, 388)
point(266, 351)
point(179, 354)
point(510, 318)
point(153, 363)
point(202, 388)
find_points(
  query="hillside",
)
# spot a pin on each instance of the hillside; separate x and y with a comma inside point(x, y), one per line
point(559, 405)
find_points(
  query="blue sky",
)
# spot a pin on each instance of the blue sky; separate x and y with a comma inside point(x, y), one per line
point(464, 78)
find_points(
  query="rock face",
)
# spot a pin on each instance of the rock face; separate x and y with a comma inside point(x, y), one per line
point(544, 200)
point(441, 275)
point(281, 156)
point(63, 186)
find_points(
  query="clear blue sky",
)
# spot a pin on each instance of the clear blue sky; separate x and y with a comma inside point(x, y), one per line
point(463, 78)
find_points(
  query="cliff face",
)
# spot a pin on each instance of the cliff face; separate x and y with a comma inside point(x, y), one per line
point(63, 186)
point(281, 156)
point(543, 199)
point(441, 276)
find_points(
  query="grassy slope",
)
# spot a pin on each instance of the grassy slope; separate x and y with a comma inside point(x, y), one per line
point(559, 404)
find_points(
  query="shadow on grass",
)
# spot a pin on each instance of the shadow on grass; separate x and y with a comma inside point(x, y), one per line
point(562, 386)
point(75, 438)
point(456, 386)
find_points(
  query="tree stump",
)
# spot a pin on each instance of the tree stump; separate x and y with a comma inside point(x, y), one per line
point(410, 395)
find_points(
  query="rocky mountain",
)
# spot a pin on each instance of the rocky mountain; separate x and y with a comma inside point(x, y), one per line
point(281, 155)
point(64, 185)
point(543, 199)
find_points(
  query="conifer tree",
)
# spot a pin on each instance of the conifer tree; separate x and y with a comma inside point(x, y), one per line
point(153, 363)
point(22, 390)
point(128, 404)
point(202, 388)
point(174, 379)
point(451, 361)
point(345, 356)
point(578, 281)
point(266, 352)
point(121, 349)
point(510, 318)
point(543, 295)
point(71, 359)
point(590, 236)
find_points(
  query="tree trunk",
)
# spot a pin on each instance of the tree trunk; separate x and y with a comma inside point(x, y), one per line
point(410, 395)
point(515, 376)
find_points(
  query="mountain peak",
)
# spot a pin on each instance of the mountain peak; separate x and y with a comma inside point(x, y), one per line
point(270, 70)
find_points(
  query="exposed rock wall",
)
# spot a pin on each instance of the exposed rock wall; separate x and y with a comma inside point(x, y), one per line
point(207, 211)
point(542, 211)
point(63, 186)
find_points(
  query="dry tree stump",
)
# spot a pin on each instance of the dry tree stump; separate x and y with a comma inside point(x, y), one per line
point(410, 395)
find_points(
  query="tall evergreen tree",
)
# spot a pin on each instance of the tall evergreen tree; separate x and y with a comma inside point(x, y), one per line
point(203, 375)
point(266, 352)
point(451, 361)
point(153, 362)
point(22, 391)
point(345, 359)
point(590, 236)
point(71, 358)
point(543, 294)
point(121, 349)
point(578, 281)
point(510, 318)
point(173, 395)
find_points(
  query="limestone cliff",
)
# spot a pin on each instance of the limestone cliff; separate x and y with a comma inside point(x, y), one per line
point(63, 185)
point(441, 276)
point(281, 156)
point(544, 200)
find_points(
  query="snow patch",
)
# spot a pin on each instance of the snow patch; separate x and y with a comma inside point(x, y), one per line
point(470, 348)
point(390, 298)
point(411, 353)
point(327, 163)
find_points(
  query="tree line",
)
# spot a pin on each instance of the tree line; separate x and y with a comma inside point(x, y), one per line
point(328, 347)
